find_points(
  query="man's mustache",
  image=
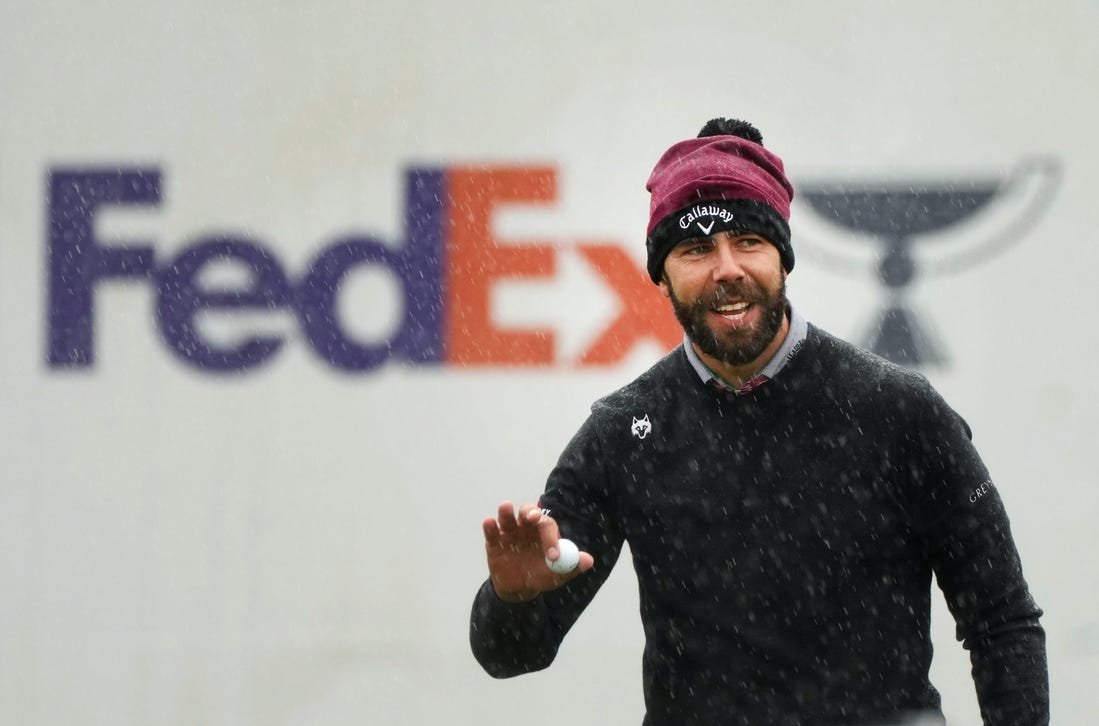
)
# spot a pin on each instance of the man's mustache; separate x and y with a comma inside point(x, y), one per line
point(726, 293)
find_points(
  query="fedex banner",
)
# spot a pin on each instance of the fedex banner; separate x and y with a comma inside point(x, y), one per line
point(446, 268)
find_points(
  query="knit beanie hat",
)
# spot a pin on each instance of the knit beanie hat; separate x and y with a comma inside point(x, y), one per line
point(721, 181)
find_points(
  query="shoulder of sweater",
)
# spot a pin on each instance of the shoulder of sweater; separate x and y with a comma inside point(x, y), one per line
point(836, 363)
point(850, 377)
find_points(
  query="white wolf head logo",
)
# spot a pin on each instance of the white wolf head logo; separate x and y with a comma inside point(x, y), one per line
point(641, 426)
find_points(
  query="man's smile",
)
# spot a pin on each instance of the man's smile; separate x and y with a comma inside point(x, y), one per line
point(733, 312)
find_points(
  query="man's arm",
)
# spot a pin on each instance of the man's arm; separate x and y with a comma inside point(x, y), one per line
point(511, 631)
point(969, 544)
point(523, 611)
point(978, 569)
point(509, 639)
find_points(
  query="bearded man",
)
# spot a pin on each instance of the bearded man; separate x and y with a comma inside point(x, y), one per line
point(786, 503)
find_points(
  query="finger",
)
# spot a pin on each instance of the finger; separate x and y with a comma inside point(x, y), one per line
point(585, 564)
point(492, 532)
point(505, 515)
point(548, 534)
point(545, 527)
point(529, 514)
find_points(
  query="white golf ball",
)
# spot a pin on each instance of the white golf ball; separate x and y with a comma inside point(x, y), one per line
point(567, 559)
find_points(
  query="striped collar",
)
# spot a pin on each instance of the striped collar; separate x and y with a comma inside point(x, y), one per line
point(795, 336)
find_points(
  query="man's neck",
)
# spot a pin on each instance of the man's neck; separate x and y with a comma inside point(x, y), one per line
point(738, 376)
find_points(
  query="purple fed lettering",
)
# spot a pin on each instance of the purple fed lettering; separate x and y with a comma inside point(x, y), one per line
point(181, 298)
point(76, 260)
point(417, 265)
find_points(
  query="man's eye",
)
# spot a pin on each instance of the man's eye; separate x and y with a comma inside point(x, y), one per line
point(696, 249)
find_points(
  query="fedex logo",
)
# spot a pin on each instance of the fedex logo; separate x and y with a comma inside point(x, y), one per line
point(446, 268)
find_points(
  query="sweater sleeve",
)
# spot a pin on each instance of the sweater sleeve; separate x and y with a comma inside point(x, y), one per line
point(968, 541)
point(510, 639)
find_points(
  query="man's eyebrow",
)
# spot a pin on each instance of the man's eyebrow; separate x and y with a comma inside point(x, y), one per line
point(692, 241)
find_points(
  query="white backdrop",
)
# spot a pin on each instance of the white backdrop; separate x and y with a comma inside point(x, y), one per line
point(295, 544)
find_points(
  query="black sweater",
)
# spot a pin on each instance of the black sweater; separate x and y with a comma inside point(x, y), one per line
point(784, 543)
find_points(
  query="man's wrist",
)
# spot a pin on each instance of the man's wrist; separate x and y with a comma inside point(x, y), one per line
point(521, 597)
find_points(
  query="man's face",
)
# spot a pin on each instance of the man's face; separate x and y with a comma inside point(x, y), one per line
point(729, 294)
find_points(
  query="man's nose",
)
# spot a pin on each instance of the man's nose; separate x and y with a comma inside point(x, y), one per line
point(727, 263)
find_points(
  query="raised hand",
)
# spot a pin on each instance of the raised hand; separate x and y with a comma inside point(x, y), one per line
point(517, 546)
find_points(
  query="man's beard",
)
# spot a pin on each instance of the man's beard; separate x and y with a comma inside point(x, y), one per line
point(735, 347)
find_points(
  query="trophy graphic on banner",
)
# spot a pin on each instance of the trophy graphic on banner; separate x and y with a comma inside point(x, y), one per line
point(906, 222)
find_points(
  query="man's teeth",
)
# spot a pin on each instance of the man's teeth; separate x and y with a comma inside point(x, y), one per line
point(733, 308)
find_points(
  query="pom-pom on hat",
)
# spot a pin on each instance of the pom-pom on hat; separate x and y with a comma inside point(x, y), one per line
point(721, 181)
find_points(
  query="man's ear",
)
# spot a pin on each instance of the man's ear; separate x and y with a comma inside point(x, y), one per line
point(665, 288)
